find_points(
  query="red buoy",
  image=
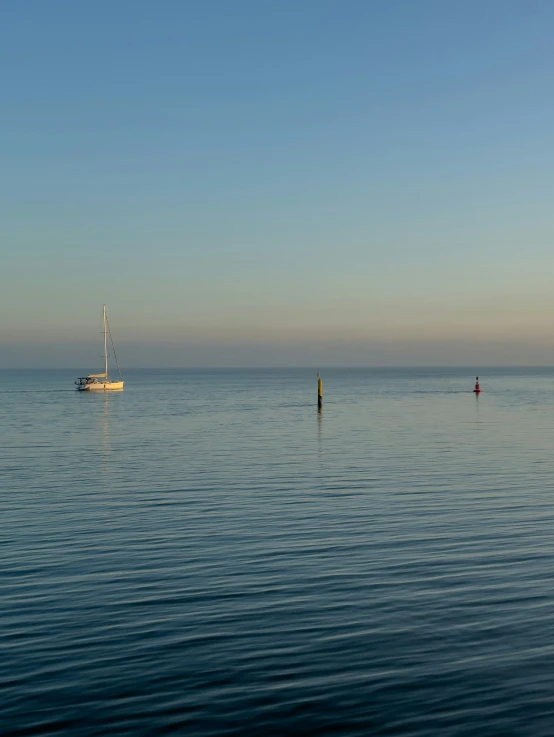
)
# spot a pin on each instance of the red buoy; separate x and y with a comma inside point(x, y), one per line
point(477, 389)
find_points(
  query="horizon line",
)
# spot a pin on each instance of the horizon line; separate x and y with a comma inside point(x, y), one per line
point(295, 368)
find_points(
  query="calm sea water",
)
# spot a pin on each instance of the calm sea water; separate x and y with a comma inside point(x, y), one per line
point(205, 554)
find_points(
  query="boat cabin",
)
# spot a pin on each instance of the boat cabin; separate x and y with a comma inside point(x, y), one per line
point(90, 379)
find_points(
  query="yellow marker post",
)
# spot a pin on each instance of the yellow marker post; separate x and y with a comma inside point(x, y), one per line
point(319, 391)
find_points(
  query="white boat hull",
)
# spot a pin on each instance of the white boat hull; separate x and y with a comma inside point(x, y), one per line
point(102, 386)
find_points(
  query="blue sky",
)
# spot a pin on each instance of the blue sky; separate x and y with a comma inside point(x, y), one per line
point(277, 183)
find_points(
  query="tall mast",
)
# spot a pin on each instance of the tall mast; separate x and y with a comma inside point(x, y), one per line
point(105, 345)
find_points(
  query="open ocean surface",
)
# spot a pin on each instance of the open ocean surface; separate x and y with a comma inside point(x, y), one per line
point(205, 554)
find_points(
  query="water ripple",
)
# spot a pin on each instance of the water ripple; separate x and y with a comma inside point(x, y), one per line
point(205, 554)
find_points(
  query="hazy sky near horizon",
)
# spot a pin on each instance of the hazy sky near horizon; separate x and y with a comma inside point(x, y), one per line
point(284, 182)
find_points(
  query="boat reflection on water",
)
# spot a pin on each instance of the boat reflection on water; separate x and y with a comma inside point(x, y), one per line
point(105, 432)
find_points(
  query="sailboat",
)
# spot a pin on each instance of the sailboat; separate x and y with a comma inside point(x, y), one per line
point(101, 382)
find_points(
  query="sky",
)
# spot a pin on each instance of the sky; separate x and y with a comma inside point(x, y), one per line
point(277, 182)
